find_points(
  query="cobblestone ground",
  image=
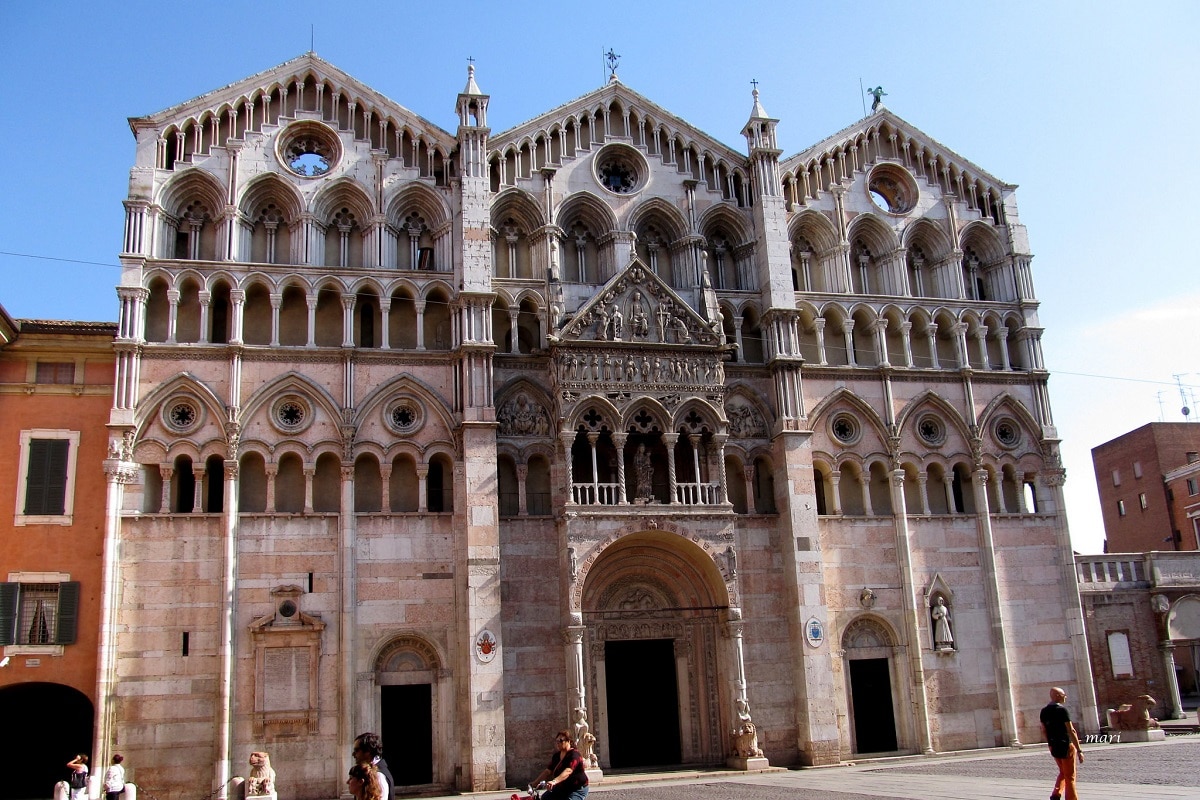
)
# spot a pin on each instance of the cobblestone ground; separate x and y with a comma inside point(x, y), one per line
point(1174, 763)
point(1112, 772)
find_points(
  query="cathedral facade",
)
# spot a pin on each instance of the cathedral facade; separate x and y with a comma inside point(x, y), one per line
point(466, 438)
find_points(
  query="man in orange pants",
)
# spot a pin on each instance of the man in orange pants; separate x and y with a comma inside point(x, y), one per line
point(1064, 744)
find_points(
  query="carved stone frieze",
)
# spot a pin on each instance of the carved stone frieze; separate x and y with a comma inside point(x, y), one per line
point(745, 421)
point(522, 415)
point(637, 306)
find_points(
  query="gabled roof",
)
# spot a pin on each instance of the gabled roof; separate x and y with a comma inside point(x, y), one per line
point(637, 306)
point(286, 74)
point(885, 119)
point(614, 90)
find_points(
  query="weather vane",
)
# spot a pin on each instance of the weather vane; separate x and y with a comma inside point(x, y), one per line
point(878, 93)
point(613, 59)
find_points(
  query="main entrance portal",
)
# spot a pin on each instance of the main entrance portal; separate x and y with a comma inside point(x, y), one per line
point(643, 703)
point(871, 693)
point(653, 606)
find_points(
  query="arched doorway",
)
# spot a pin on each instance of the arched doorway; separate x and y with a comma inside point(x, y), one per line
point(55, 724)
point(414, 714)
point(871, 683)
point(653, 604)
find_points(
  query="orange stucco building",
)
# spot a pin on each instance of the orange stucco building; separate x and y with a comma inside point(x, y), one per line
point(56, 382)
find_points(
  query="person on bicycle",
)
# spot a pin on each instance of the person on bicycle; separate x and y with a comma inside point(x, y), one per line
point(565, 778)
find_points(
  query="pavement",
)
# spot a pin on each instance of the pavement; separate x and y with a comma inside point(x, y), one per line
point(1152, 770)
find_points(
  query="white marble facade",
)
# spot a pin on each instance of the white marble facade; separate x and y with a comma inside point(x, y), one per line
point(595, 413)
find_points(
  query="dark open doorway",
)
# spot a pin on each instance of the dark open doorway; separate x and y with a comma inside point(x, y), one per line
point(871, 693)
point(50, 724)
point(406, 728)
point(643, 703)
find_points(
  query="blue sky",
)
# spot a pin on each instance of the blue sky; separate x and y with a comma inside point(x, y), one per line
point(1089, 107)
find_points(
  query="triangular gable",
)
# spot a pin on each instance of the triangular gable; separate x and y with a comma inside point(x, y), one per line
point(286, 74)
point(638, 306)
point(628, 99)
point(885, 118)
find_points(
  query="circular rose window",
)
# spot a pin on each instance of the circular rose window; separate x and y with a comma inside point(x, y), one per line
point(404, 415)
point(308, 149)
point(620, 169)
point(181, 414)
point(931, 431)
point(892, 189)
point(1007, 433)
point(291, 414)
point(844, 428)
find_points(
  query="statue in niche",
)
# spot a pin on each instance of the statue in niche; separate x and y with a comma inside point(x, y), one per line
point(644, 470)
point(638, 324)
point(682, 335)
point(602, 325)
point(943, 639)
point(585, 740)
point(616, 323)
point(573, 570)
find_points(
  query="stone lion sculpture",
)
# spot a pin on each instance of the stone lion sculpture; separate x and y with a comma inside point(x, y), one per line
point(261, 782)
point(1133, 716)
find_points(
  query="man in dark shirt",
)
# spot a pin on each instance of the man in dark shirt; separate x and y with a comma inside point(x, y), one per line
point(1064, 744)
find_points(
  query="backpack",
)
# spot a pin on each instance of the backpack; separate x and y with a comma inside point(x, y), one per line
point(78, 780)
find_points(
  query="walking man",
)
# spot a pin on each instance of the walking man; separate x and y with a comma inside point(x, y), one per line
point(1064, 744)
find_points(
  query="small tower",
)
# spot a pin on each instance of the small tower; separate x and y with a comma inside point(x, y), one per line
point(472, 127)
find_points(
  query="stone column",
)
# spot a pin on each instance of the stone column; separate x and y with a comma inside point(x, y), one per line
point(227, 648)
point(819, 326)
point(276, 301)
point(912, 624)
point(423, 488)
point(167, 473)
point(619, 438)
point(670, 439)
point(272, 471)
point(999, 638)
point(522, 475)
point(1175, 710)
point(744, 747)
point(118, 472)
point(309, 473)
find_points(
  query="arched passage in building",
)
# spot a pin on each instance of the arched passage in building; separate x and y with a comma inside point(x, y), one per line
point(55, 724)
point(653, 605)
point(871, 681)
point(414, 708)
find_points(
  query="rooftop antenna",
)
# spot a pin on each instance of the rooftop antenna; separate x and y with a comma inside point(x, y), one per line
point(1162, 416)
point(1186, 411)
point(312, 38)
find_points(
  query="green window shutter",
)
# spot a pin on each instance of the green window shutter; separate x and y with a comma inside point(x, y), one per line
point(46, 481)
point(68, 612)
point(8, 613)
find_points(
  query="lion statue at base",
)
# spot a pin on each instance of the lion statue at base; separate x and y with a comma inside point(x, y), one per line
point(1133, 716)
point(261, 782)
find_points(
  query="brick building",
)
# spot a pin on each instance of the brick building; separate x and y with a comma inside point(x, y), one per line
point(56, 383)
point(1143, 509)
point(1142, 613)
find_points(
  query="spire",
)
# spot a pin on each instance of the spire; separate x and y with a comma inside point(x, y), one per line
point(472, 102)
point(472, 86)
point(759, 130)
point(758, 112)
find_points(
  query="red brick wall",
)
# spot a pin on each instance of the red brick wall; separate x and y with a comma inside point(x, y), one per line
point(1159, 447)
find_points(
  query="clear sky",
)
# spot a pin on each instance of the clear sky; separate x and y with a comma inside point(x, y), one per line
point(1090, 107)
